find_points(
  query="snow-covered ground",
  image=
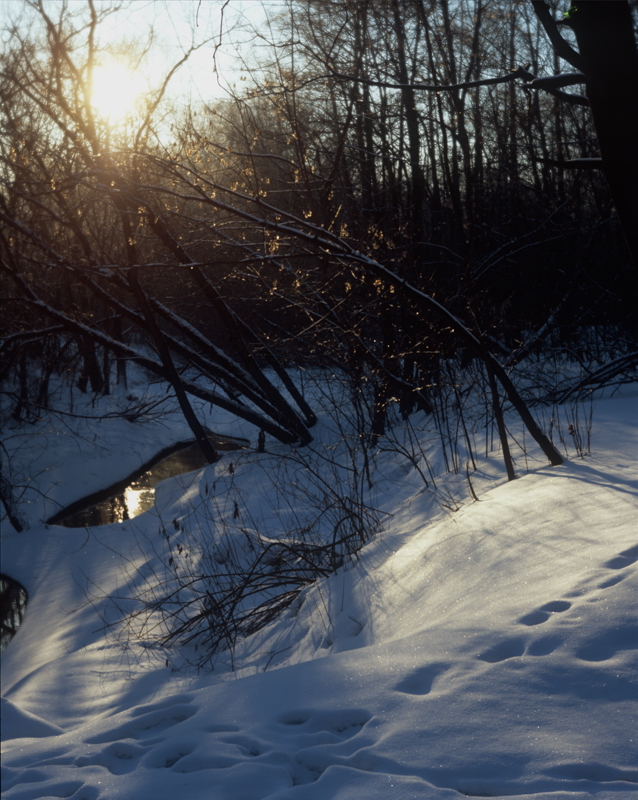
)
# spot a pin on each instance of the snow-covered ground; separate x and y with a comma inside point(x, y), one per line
point(487, 651)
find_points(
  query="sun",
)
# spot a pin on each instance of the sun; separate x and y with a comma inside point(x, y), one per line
point(114, 92)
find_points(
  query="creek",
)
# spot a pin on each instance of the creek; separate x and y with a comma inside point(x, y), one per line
point(135, 494)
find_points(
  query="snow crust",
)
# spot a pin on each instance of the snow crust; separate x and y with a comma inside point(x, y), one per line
point(491, 651)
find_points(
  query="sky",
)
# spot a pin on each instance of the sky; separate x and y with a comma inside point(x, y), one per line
point(232, 28)
point(178, 24)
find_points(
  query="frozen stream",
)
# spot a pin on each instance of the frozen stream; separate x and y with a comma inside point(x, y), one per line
point(136, 493)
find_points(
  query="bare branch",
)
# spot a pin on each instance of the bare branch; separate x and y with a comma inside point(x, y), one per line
point(573, 163)
point(560, 45)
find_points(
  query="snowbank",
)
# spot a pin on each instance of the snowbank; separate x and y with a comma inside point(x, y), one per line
point(488, 652)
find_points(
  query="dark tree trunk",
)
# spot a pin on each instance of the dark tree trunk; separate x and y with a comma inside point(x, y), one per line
point(23, 399)
point(604, 32)
point(417, 178)
point(91, 372)
point(608, 58)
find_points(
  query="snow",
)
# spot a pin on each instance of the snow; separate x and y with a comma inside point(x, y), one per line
point(486, 651)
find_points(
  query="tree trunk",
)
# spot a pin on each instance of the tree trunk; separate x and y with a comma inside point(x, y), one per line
point(187, 410)
point(608, 58)
point(604, 32)
point(417, 178)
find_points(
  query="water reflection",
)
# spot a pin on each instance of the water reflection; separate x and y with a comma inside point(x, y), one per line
point(133, 497)
point(138, 498)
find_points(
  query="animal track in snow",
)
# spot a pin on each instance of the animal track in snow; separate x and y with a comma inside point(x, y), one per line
point(611, 581)
point(509, 648)
point(421, 681)
point(600, 647)
point(249, 747)
point(534, 618)
point(147, 724)
point(226, 753)
point(316, 731)
point(543, 613)
point(544, 645)
point(556, 605)
point(518, 646)
point(344, 723)
point(623, 559)
point(172, 760)
point(166, 755)
point(119, 758)
point(609, 643)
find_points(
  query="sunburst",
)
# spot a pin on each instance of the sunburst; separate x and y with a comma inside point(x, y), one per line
point(114, 92)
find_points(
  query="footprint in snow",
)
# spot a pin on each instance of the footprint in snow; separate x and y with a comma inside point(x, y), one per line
point(147, 723)
point(119, 758)
point(422, 681)
point(312, 734)
point(543, 613)
point(611, 581)
point(343, 724)
point(609, 643)
point(544, 645)
point(248, 746)
point(509, 648)
point(184, 757)
point(515, 647)
point(623, 559)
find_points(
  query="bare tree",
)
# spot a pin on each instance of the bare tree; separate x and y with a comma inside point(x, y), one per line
point(85, 245)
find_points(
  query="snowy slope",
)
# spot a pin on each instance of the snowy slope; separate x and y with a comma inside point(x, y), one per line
point(488, 652)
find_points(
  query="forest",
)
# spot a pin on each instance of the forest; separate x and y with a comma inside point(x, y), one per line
point(366, 272)
point(431, 205)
